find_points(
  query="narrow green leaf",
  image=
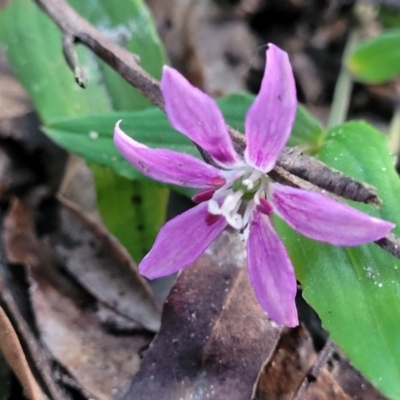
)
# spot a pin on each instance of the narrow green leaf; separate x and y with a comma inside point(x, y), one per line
point(130, 209)
point(356, 291)
point(377, 59)
point(129, 23)
point(91, 137)
point(33, 46)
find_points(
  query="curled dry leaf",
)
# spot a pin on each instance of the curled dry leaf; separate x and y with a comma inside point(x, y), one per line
point(15, 357)
point(102, 266)
point(214, 336)
point(290, 362)
point(352, 382)
point(295, 371)
point(101, 363)
point(42, 360)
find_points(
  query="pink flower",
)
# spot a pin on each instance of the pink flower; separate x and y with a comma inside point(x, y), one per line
point(239, 192)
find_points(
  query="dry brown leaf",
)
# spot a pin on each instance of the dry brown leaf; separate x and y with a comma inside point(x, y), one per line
point(213, 51)
point(14, 354)
point(214, 335)
point(296, 372)
point(77, 175)
point(103, 364)
point(226, 46)
point(42, 360)
point(285, 370)
point(23, 247)
point(102, 266)
point(352, 382)
point(325, 388)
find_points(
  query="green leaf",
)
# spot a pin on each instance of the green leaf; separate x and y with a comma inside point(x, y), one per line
point(129, 23)
point(389, 17)
point(378, 59)
point(33, 45)
point(91, 137)
point(356, 291)
point(131, 202)
point(33, 48)
point(307, 131)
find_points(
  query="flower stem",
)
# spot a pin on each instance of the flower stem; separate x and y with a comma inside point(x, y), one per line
point(344, 85)
point(394, 127)
point(394, 132)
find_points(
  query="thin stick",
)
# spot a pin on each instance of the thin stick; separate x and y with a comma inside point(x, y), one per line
point(344, 86)
point(313, 373)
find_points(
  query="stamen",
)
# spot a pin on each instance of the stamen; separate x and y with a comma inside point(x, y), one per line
point(248, 212)
point(203, 195)
point(214, 208)
point(211, 219)
point(235, 221)
point(231, 201)
point(245, 234)
point(249, 182)
point(217, 181)
point(262, 189)
point(264, 207)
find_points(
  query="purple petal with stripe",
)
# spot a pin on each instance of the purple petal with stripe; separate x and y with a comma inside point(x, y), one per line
point(270, 118)
point(197, 115)
point(166, 165)
point(181, 241)
point(320, 218)
point(271, 272)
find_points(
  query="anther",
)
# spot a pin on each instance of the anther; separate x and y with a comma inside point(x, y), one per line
point(203, 195)
point(217, 181)
point(264, 207)
point(211, 219)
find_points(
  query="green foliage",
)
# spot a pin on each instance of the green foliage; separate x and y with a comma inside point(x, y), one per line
point(33, 46)
point(138, 199)
point(356, 291)
point(91, 136)
point(389, 17)
point(378, 59)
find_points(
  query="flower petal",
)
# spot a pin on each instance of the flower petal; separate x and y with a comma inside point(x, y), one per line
point(180, 242)
point(166, 165)
point(320, 218)
point(270, 118)
point(271, 272)
point(197, 115)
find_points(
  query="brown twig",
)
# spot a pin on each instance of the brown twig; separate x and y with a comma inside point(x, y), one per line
point(71, 57)
point(292, 167)
point(296, 164)
point(315, 370)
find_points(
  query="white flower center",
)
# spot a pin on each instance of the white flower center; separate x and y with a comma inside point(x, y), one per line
point(244, 185)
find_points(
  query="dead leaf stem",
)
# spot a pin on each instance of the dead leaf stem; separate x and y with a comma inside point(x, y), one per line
point(15, 357)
